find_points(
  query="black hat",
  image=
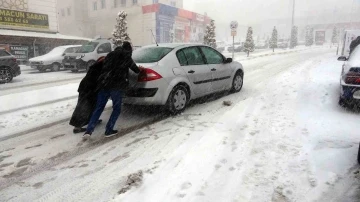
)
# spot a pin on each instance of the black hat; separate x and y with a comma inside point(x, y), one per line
point(127, 46)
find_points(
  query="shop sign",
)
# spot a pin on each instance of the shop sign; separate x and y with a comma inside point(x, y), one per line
point(23, 19)
point(20, 52)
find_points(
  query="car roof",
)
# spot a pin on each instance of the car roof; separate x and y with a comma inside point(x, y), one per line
point(69, 46)
point(174, 45)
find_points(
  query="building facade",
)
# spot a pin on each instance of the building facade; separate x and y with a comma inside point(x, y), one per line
point(29, 28)
point(165, 19)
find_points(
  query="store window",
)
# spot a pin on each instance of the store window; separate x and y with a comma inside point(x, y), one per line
point(69, 11)
point(123, 3)
point(135, 2)
point(63, 12)
point(95, 6)
point(103, 4)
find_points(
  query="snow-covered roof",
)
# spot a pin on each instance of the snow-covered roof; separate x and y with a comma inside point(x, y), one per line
point(7, 32)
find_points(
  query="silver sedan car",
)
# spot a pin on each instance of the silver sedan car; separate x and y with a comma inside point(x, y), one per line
point(175, 74)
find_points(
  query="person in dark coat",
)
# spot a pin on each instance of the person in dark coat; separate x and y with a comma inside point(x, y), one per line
point(113, 82)
point(87, 97)
point(354, 44)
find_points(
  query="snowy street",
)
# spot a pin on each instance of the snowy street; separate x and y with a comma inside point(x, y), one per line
point(283, 139)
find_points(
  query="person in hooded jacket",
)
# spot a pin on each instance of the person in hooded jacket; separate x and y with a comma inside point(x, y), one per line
point(113, 83)
point(87, 97)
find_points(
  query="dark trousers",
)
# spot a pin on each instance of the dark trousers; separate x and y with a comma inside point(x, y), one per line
point(102, 98)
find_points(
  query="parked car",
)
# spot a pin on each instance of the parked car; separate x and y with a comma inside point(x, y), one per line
point(220, 46)
point(283, 44)
point(261, 45)
point(174, 74)
point(9, 67)
point(87, 55)
point(53, 59)
point(238, 47)
point(350, 80)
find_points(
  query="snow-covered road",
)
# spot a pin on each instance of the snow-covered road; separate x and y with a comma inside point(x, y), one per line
point(283, 139)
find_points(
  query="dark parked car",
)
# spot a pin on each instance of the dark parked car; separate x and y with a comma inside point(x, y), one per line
point(9, 67)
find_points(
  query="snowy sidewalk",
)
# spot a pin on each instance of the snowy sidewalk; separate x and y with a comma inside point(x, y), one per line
point(18, 101)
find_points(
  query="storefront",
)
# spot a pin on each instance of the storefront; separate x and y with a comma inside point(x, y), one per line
point(174, 25)
point(27, 34)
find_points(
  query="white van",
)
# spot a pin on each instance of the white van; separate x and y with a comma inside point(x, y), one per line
point(53, 59)
point(87, 55)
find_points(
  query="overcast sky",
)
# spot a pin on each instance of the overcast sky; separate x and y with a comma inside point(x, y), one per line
point(255, 11)
point(263, 15)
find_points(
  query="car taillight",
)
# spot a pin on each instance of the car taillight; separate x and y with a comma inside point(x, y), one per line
point(148, 75)
point(352, 78)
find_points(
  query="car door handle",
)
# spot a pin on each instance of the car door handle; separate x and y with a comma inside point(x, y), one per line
point(191, 72)
point(213, 70)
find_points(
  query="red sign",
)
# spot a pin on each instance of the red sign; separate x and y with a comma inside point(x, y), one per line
point(154, 8)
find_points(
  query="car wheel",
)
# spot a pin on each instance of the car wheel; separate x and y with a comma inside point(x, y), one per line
point(237, 82)
point(6, 75)
point(343, 103)
point(358, 157)
point(55, 67)
point(178, 100)
point(89, 64)
point(42, 69)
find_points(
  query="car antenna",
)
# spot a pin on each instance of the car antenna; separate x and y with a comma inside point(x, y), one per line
point(154, 37)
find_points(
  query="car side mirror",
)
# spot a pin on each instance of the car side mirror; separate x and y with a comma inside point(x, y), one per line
point(342, 58)
point(228, 60)
point(63, 54)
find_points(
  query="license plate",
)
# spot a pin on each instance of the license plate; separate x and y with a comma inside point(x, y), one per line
point(33, 67)
point(67, 64)
point(356, 95)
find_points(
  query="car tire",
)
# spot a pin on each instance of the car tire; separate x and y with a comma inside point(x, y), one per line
point(178, 100)
point(343, 103)
point(237, 83)
point(89, 64)
point(6, 74)
point(358, 157)
point(55, 67)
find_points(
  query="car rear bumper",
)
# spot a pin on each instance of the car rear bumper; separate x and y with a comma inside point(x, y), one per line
point(150, 93)
point(350, 93)
point(17, 71)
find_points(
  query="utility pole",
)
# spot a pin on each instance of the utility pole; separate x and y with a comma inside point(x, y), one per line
point(293, 15)
point(292, 21)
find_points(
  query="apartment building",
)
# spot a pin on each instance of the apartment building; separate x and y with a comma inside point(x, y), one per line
point(165, 19)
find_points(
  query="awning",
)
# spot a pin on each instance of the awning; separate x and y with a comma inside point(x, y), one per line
point(6, 32)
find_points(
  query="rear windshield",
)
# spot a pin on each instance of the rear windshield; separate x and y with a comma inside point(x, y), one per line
point(150, 55)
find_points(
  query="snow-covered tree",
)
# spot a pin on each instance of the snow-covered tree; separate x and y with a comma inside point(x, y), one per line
point(210, 37)
point(335, 36)
point(249, 45)
point(120, 31)
point(309, 38)
point(294, 37)
point(274, 39)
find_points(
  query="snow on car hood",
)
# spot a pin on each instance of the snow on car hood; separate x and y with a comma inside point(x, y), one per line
point(46, 57)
